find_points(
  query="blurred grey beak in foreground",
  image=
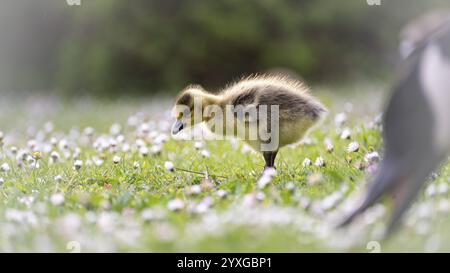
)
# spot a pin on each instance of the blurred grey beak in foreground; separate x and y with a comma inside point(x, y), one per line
point(177, 127)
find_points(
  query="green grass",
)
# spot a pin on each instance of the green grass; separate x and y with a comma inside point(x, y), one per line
point(117, 207)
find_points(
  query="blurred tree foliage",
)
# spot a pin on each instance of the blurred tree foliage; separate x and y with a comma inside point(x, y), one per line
point(148, 46)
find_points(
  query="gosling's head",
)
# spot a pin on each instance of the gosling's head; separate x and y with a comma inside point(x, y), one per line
point(188, 109)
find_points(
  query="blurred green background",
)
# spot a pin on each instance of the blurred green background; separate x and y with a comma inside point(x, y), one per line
point(116, 47)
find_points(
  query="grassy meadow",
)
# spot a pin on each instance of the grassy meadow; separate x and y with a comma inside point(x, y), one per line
point(92, 175)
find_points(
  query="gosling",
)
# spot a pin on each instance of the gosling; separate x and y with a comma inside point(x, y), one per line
point(267, 112)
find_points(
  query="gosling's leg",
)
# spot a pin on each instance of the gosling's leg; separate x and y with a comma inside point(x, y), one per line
point(269, 157)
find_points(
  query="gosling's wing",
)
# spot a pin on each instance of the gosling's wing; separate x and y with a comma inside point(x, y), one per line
point(245, 105)
point(292, 105)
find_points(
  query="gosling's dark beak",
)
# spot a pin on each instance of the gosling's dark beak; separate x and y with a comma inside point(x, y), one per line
point(177, 127)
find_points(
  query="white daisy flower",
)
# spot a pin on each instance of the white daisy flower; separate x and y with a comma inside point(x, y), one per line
point(307, 141)
point(26, 200)
point(78, 164)
point(169, 166)
point(353, 147)
point(112, 143)
point(270, 172)
point(133, 121)
point(55, 156)
point(115, 129)
point(290, 186)
point(53, 141)
point(58, 178)
point(221, 193)
point(98, 162)
point(329, 145)
point(340, 119)
point(88, 131)
point(205, 153)
point(126, 148)
point(264, 181)
point(116, 159)
point(372, 157)
point(144, 128)
point(57, 199)
point(199, 145)
point(260, 196)
point(346, 134)
point(201, 208)
point(246, 148)
point(106, 222)
point(76, 153)
point(175, 204)
point(120, 138)
point(136, 165)
point(161, 138)
point(143, 150)
point(63, 144)
point(444, 205)
point(443, 188)
point(431, 190)
point(194, 190)
point(5, 167)
point(320, 162)
point(266, 177)
point(153, 214)
point(32, 144)
point(249, 200)
point(13, 150)
point(30, 160)
point(139, 143)
point(155, 149)
point(315, 179)
point(378, 119)
point(306, 162)
point(153, 134)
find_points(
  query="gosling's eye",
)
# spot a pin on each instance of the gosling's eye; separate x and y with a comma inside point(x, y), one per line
point(182, 112)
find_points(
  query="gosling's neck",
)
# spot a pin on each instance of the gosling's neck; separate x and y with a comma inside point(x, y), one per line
point(209, 99)
point(214, 113)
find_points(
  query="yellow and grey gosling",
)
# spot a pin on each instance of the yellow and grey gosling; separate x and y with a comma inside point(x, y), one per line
point(298, 111)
